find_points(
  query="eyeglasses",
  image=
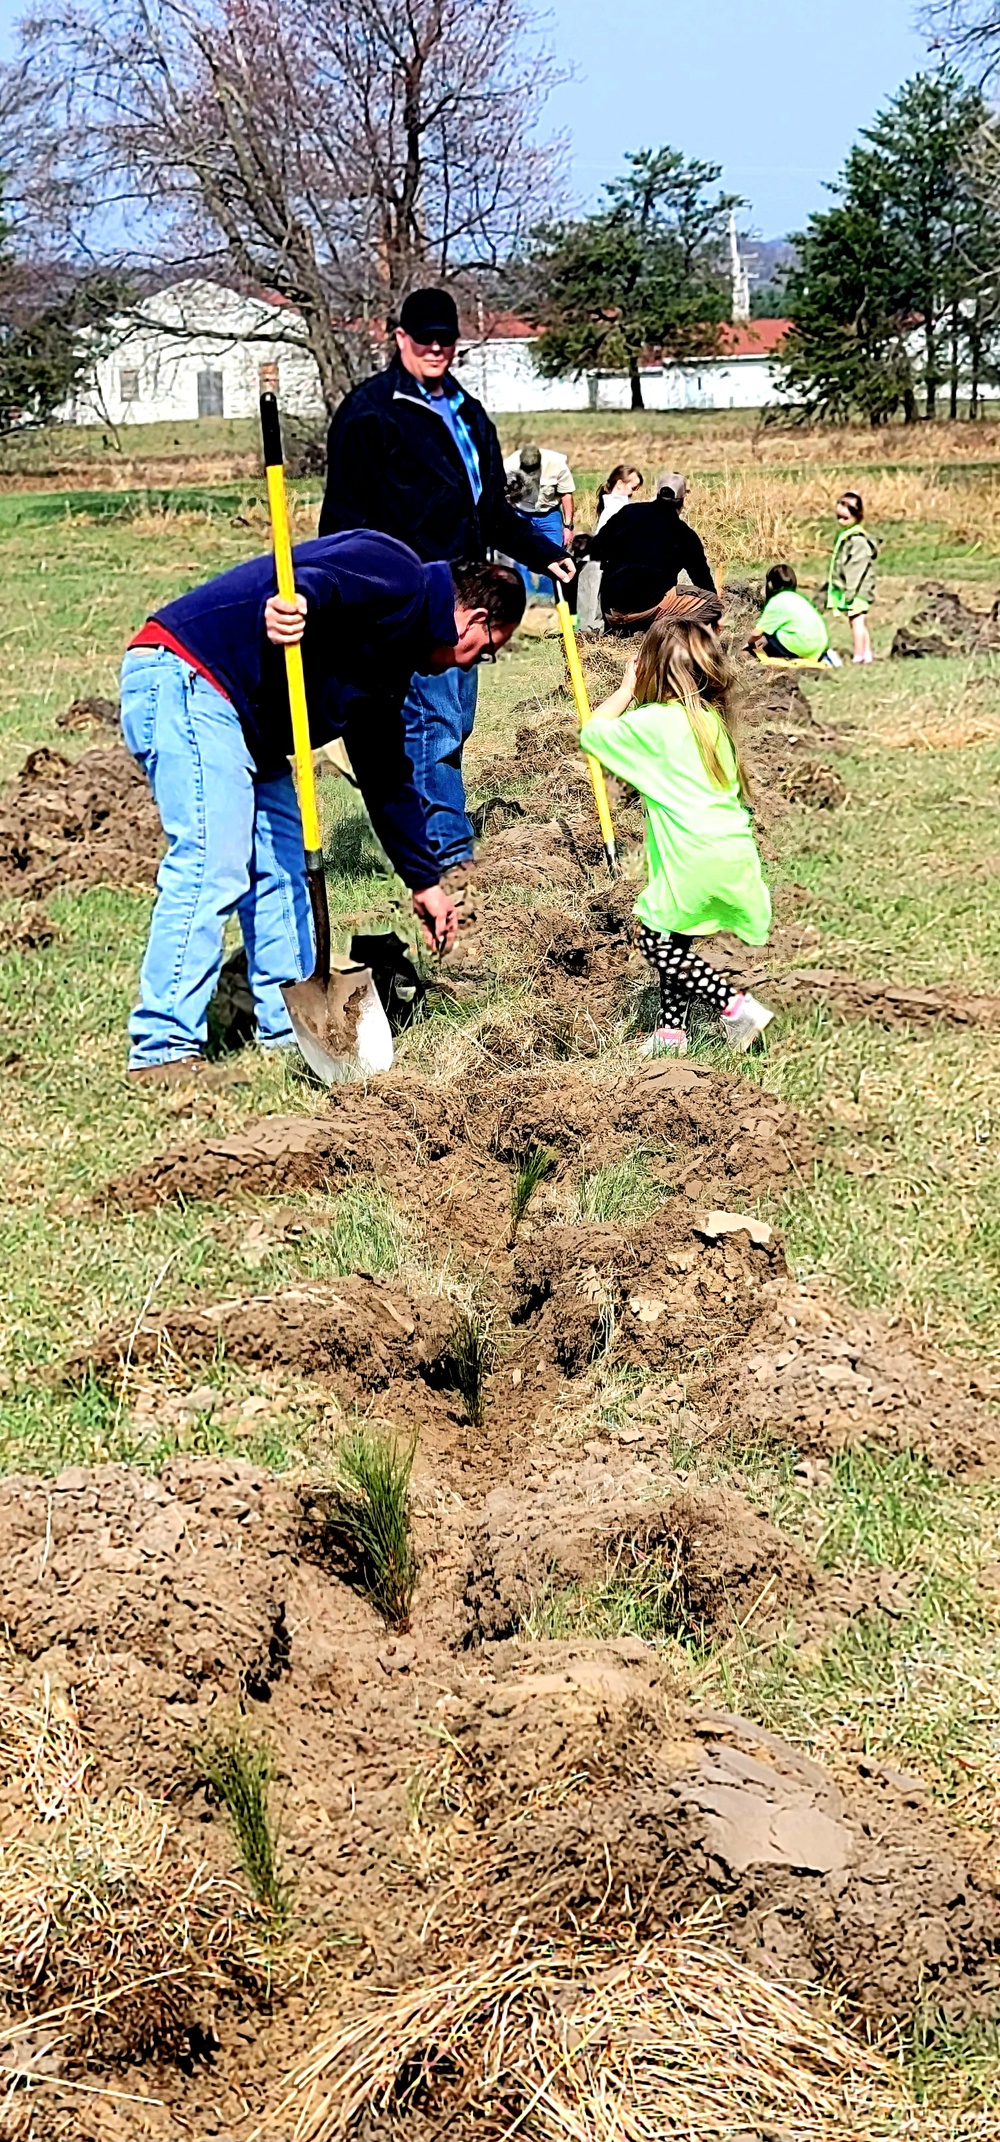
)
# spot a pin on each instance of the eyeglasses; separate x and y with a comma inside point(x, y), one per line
point(488, 653)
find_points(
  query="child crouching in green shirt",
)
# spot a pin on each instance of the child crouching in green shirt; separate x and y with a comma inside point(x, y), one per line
point(676, 748)
point(789, 627)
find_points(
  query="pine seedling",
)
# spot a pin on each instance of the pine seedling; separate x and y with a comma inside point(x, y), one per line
point(371, 1516)
point(471, 1354)
point(533, 1170)
point(239, 1771)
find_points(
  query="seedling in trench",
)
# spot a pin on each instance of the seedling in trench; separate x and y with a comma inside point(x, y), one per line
point(533, 1170)
point(471, 1354)
point(239, 1771)
point(370, 1513)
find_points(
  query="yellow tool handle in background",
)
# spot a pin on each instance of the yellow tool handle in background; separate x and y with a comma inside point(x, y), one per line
point(578, 683)
point(281, 536)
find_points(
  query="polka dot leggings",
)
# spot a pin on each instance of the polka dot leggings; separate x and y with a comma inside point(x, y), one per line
point(682, 976)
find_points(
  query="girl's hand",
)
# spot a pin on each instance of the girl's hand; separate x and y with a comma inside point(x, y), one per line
point(628, 680)
point(284, 621)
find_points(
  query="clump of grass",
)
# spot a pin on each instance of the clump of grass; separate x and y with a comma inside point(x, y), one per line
point(646, 1598)
point(240, 1770)
point(533, 1170)
point(624, 1190)
point(371, 1518)
point(470, 1357)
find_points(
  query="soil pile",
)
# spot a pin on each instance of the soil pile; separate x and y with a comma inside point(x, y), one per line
point(658, 1297)
point(819, 1378)
point(596, 1803)
point(712, 1558)
point(360, 1334)
point(421, 1139)
point(90, 714)
point(892, 1004)
point(91, 821)
point(944, 625)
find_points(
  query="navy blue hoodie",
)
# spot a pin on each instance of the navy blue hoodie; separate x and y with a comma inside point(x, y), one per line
point(374, 613)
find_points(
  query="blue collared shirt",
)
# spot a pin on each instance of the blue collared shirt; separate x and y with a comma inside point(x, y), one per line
point(448, 406)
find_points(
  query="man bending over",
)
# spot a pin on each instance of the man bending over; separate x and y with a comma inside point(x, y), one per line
point(205, 713)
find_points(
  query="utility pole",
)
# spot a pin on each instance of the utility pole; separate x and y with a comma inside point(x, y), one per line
point(740, 273)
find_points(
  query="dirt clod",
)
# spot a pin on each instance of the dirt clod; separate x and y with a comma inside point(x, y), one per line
point(944, 625)
point(90, 821)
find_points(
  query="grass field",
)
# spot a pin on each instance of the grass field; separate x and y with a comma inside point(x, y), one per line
point(902, 1211)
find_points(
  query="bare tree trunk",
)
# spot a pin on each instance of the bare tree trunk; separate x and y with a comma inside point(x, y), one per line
point(635, 385)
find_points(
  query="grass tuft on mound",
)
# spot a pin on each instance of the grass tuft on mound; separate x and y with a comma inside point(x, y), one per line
point(369, 1515)
point(239, 1771)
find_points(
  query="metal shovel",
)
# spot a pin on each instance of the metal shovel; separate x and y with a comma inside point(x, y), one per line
point(340, 1025)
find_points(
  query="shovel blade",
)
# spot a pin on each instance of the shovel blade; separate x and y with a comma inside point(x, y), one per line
point(340, 1025)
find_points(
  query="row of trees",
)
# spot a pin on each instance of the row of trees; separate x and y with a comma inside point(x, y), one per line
point(338, 152)
point(895, 296)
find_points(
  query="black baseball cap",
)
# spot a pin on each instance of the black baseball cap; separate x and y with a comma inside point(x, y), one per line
point(430, 316)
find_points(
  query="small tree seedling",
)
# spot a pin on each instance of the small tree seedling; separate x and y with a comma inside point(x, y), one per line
point(240, 1770)
point(370, 1512)
point(471, 1355)
point(533, 1170)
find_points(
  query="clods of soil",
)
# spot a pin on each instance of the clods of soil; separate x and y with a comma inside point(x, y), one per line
point(945, 625)
point(88, 821)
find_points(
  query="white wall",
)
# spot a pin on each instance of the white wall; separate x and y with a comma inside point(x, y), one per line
point(502, 374)
point(191, 329)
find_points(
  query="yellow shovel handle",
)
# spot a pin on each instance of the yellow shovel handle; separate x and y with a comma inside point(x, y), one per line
point(578, 683)
point(281, 536)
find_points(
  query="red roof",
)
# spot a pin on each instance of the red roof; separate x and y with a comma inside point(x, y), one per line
point(754, 338)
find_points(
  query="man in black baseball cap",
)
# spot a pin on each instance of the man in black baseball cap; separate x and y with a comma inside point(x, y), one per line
point(414, 455)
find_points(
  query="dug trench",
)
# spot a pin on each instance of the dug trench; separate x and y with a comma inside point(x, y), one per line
point(494, 1772)
point(465, 1781)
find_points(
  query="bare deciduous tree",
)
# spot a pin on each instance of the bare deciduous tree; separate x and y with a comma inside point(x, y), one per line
point(335, 154)
point(968, 32)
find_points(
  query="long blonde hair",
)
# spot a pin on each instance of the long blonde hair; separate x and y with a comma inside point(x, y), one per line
point(682, 658)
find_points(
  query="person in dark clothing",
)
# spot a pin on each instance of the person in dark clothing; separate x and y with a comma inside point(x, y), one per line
point(205, 713)
point(642, 552)
point(412, 453)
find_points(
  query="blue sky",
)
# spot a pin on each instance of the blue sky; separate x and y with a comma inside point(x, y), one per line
point(774, 90)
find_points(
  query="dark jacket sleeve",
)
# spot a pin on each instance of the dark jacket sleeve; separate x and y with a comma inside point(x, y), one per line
point(376, 746)
point(695, 562)
point(603, 542)
point(355, 454)
point(503, 528)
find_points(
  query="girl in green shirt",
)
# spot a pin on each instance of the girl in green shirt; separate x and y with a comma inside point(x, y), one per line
point(851, 588)
point(703, 870)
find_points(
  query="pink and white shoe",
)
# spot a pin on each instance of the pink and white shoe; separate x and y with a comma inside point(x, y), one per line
point(667, 1041)
point(743, 1021)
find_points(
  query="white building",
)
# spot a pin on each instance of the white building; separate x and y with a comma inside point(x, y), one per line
point(500, 371)
point(194, 349)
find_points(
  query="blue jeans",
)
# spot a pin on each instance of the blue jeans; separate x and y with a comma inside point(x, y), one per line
point(438, 713)
point(539, 585)
point(234, 847)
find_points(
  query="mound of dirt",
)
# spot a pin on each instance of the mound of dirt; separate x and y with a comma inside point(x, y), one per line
point(662, 1293)
point(892, 1004)
point(91, 821)
point(30, 931)
point(531, 855)
point(818, 1378)
point(721, 1135)
point(944, 625)
point(90, 714)
point(593, 1802)
point(714, 1557)
point(151, 1597)
point(359, 1333)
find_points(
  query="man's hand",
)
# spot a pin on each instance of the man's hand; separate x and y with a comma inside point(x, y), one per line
point(561, 569)
point(284, 621)
point(438, 917)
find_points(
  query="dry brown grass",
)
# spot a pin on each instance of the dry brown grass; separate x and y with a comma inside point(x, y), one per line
point(114, 1939)
point(677, 2039)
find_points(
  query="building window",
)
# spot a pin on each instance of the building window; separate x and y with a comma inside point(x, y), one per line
point(210, 394)
point(128, 386)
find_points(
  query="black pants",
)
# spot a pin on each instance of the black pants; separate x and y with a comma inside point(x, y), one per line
point(683, 977)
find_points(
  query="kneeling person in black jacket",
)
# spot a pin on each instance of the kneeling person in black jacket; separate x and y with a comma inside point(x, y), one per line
point(205, 712)
point(642, 552)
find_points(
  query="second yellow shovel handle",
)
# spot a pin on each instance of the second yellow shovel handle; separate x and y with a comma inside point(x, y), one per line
point(578, 683)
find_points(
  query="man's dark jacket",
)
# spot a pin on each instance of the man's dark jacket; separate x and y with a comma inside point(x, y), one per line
point(393, 464)
point(642, 551)
point(374, 615)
